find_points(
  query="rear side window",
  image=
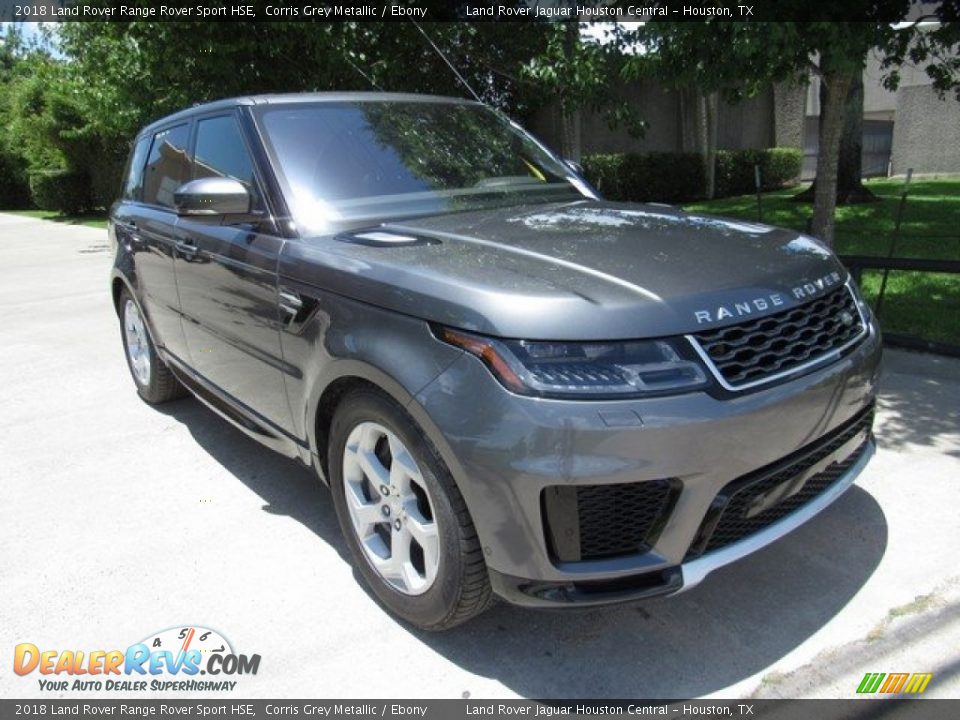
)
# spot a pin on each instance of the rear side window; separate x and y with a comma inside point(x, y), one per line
point(133, 185)
point(168, 165)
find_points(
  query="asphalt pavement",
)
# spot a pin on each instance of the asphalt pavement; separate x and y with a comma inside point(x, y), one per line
point(119, 520)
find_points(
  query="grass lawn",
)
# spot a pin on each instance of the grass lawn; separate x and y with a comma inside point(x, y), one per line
point(94, 220)
point(926, 305)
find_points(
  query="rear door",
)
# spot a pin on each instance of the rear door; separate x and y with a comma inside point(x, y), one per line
point(227, 277)
point(146, 222)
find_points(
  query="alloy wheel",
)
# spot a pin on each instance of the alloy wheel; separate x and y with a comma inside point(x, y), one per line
point(390, 508)
point(138, 343)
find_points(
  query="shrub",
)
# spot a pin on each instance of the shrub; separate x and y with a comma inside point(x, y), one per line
point(680, 177)
point(14, 190)
point(735, 170)
point(106, 176)
point(101, 160)
point(605, 173)
point(675, 177)
point(66, 191)
point(655, 176)
point(783, 167)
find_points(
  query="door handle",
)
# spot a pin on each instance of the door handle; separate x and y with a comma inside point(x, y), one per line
point(130, 228)
point(290, 302)
point(186, 248)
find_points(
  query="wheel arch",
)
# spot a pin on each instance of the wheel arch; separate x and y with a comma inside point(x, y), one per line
point(356, 376)
point(345, 377)
point(118, 283)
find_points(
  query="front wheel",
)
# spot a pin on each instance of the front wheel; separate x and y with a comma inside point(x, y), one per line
point(403, 518)
point(155, 382)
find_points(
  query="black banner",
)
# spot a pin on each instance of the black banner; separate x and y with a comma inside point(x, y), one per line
point(503, 10)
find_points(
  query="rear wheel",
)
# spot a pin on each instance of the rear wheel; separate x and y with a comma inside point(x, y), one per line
point(403, 518)
point(155, 382)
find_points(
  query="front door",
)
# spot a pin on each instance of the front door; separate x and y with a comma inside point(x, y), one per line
point(227, 278)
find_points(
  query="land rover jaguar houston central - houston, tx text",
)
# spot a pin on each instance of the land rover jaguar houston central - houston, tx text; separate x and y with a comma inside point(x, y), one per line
point(512, 387)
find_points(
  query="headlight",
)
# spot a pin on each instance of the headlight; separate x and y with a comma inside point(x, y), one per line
point(621, 369)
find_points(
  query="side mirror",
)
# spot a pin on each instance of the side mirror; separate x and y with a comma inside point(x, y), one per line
point(574, 165)
point(212, 196)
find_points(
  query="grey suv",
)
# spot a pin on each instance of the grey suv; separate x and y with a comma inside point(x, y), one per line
point(512, 387)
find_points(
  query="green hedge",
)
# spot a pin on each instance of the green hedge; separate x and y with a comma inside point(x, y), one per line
point(658, 177)
point(65, 191)
point(735, 170)
point(680, 177)
point(102, 161)
point(14, 189)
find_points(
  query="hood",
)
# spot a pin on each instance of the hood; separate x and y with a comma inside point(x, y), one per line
point(586, 270)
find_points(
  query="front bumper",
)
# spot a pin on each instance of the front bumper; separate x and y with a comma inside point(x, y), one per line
point(505, 451)
point(687, 575)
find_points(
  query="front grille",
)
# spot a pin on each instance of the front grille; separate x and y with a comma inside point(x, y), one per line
point(760, 499)
point(594, 522)
point(756, 350)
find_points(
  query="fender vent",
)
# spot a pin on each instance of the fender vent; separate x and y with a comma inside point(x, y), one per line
point(384, 238)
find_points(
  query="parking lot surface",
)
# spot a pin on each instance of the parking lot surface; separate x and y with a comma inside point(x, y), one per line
point(120, 520)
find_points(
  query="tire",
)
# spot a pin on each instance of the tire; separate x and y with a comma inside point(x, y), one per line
point(155, 382)
point(421, 493)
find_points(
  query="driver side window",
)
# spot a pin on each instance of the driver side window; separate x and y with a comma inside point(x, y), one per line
point(221, 152)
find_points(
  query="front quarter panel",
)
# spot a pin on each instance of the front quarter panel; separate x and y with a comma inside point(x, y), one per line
point(335, 337)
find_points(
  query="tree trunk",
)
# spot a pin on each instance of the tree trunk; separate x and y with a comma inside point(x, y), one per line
point(698, 131)
point(570, 135)
point(569, 116)
point(832, 114)
point(850, 188)
point(711, 108)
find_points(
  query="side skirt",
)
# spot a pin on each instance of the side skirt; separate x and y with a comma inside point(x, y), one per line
point(236, 413)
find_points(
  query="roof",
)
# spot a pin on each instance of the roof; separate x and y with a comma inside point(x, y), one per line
point(287, 98)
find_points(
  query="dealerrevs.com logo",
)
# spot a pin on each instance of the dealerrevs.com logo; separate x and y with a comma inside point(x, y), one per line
point(170, 660)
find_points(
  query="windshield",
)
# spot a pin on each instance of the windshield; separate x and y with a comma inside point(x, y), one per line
point(350, 162)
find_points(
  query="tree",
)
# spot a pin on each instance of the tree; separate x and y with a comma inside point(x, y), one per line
point(573, 73)
point(850, 187)
point(18, 60)
point(138, 71)
point(122, 76)
point(739, 59)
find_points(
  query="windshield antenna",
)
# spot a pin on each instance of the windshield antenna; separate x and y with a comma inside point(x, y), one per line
point(365, 76)
point(447, 61)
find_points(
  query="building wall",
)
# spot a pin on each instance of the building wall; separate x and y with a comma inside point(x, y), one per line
point(925, 131)
point(926, 134)
point(753, 123)
point(748, 124)
point(659, 107)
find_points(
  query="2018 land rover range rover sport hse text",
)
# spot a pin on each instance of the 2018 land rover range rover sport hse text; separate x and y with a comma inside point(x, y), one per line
point(512, 387)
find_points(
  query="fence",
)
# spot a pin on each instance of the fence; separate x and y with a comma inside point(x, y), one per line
point(857, 264)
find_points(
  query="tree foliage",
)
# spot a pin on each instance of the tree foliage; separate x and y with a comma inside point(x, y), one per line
point(138, 71)
point(15, 56)
point(584, 73)
point(78, 110)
